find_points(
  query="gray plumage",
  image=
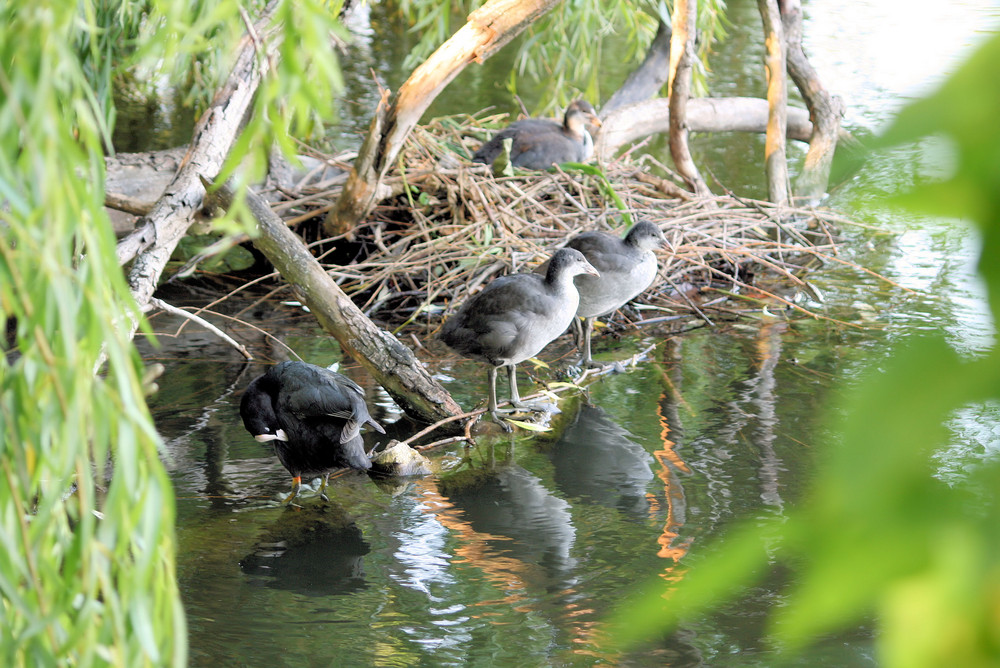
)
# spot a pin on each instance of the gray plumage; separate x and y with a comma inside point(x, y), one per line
point(312, 416)
point(538, 143)
point(627, 267)
point(514, 317)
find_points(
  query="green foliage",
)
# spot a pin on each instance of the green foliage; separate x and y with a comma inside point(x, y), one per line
point(86, 508)
point(569, 49)
point(565, 50)
point(879, 533)
point(87, 569)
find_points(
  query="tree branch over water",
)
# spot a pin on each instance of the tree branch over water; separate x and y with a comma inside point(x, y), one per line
point(391, 364)
point(488, 28)
point(153, 242)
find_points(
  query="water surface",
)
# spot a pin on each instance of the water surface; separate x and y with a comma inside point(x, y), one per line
point(514, 551)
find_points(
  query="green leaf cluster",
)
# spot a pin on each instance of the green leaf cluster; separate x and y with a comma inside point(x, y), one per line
point(86, 508)
point(569, 49)
point(880, 535)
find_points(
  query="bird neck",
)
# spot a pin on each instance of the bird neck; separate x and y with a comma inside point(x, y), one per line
point(575, 125)
point(559, 279)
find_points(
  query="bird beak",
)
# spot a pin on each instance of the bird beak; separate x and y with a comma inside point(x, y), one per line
point(592, 271)
point(280, 435)
point(594, 120)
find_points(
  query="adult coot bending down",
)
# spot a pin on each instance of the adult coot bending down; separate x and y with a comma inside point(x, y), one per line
point(627, 266)
point(313, 418)
point(515, 316)
point(538, 143)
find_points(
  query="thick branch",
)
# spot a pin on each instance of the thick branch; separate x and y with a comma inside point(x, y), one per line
point(486, 30)
point(825, 110)
point(155, 240)
point(390, 363)
point(646, 80)
point(775, 162)
point(704, 114)
point(681, 57)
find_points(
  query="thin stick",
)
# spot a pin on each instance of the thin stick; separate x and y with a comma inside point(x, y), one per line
point(164, 306)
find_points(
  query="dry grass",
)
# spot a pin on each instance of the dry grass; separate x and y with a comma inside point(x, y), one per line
point(454, 226)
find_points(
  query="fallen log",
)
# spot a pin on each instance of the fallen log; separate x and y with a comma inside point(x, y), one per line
point(704, 114)
point(149, 247)
point(390, 363)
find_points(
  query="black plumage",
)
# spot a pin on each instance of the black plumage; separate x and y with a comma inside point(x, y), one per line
point(539, 143)
point(311, 416)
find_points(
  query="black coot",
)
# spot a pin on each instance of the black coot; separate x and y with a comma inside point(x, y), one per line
point(515, 316)
point(313, 418)
point(627, 267)
point(538, 143)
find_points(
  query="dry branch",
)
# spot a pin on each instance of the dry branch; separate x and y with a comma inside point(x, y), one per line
point(681, 62)
point(391, 363)
point(704, 114)
point(825, 110)
point(775, 164)
point(486, 30)
point(153, 242)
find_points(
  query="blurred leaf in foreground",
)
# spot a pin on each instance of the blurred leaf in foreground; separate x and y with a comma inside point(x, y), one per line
point(879, 536)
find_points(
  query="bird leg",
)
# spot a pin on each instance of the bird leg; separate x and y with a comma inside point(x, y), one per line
point(322, 487)
point(296, 486)
point(587, 360)
point(515, 397)
point(578, 332)
point(491, 375)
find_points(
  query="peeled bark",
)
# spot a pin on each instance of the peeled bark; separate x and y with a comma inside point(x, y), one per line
point(825, 110)
point(775, 162)
point(681, 56)
point(390, 363)
point(152, 243)
point(487, 29)
point(704, 114)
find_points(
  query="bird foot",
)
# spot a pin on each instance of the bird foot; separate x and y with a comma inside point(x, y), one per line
point(296, 487)
point(588, 363)
point(538, 407)
point(495, 416)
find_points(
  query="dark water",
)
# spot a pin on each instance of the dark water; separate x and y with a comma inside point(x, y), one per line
point(515, 550)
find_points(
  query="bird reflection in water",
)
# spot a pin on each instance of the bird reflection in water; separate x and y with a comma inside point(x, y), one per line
point(508, 522)
point(525, 520)
point(595, 459)
point(317, 550)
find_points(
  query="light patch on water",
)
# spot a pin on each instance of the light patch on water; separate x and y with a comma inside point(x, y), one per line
point(421, 551)
point(976, 430)
point(877, 53)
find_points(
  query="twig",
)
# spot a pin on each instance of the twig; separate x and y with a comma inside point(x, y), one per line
point(164, 306)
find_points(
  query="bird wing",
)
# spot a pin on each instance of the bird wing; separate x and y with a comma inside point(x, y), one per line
point(324, 393)
point(519, 131)
point(497, 318)
point(606, 252)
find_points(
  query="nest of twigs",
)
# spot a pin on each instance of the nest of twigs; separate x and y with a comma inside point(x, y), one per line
point(455, 226)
